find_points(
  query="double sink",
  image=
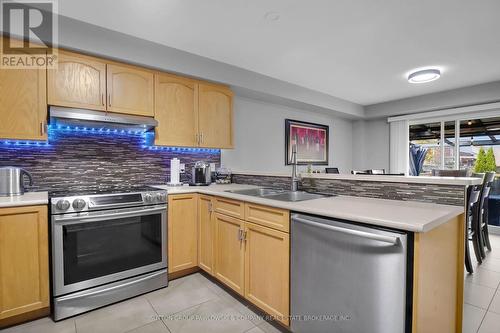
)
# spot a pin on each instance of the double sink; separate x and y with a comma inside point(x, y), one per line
point(277, 194)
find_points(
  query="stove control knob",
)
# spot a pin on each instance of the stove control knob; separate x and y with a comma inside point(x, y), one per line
point(62, 204)
point(163, 197)
point(148, 197)
point(79, 204)
point(159, 197)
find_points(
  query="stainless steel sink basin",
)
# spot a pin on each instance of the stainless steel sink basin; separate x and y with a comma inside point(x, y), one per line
point(258, 192)
point(296, 196)
point(277, 194)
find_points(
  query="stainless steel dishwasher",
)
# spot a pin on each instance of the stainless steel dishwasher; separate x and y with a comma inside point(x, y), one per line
point(348, 278)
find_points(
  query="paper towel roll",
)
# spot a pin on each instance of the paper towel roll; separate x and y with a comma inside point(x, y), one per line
point(174, 170)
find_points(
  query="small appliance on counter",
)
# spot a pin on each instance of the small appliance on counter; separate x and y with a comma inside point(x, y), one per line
point(223, 176)
point(12, 181)
point(201, 174)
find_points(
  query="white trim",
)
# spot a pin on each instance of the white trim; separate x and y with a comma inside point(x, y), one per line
point(441, 144)
point(479, 111)
point(457, 144)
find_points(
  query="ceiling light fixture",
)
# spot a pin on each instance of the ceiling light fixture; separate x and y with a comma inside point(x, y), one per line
point(424, 75)
point(272, 16)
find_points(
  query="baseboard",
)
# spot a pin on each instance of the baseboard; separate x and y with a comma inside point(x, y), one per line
point(184, 272)
point(24, 317)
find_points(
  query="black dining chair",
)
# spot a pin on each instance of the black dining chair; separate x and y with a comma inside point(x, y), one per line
point(483, 213)
point(473, 229)
point(450, 173)
point(332, 170)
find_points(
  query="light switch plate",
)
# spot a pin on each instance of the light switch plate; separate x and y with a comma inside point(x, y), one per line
point(212, 167)
point(182, 167)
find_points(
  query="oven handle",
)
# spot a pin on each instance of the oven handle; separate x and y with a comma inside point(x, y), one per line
point(99, 218)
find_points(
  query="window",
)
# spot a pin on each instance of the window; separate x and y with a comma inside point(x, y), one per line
point(439, 139)
point(428, 137)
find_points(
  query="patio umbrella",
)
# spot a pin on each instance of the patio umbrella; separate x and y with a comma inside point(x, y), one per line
point(417, 157)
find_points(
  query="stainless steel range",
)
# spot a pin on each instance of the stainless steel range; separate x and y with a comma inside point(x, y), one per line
point(107, 245)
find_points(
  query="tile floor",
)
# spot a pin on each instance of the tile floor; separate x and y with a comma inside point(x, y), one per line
point(195, 297)
point(171, 309)
point(482, 293)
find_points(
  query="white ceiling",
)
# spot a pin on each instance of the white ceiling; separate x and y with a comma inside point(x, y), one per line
point(356, 50)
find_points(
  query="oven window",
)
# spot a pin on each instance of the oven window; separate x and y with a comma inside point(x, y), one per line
point(96, 249)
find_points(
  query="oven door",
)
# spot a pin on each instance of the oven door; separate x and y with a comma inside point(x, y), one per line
point(95, 248)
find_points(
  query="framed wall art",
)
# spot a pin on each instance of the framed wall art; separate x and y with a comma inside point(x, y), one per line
point(311, 139)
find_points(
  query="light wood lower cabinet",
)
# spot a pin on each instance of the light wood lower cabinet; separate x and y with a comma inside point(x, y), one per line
point(267, 270)
point(251, 258)
point(24, 263)
point(182, 232)
point(229, 252)
point(206, 229)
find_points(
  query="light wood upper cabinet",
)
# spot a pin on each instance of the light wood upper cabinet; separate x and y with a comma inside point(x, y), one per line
point(229, 252)
point(205, 234)
point(130, 90)
point(23, 104)
point(215, 116)
point(267, 272)
point(24, 263)
point(182, 232)
point(176, 110)
point(79, 81)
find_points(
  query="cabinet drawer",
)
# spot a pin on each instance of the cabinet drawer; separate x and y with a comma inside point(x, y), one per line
point(230, 207)
point(267, 216)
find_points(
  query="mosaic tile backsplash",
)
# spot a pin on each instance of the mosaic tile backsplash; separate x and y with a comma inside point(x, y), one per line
point(78, 159)
point(431, 193)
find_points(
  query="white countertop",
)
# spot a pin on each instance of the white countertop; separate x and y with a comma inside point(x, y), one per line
point(27, 199)
point(463, 181)
point(403, 215)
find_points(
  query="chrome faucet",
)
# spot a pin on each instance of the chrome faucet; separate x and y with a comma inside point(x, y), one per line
point(295, 178)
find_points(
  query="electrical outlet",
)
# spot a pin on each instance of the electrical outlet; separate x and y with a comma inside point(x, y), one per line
point(212, 167)
point(182, 168)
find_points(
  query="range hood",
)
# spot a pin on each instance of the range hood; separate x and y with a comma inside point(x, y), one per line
point(61, 116)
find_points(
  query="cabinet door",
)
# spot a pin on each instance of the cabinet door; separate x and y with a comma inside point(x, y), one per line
point(206, 234)
point(176, 111)
point(23, 104)
point(229, 252)
point(24, 264)
point(215, 114)
point(79, 81)
point(267, 272)
point(182, 232)
point(130, 90)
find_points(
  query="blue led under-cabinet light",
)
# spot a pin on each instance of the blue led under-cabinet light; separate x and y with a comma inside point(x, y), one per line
point(147, 136)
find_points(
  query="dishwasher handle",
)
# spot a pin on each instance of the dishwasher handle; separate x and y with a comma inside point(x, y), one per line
point(382, 238)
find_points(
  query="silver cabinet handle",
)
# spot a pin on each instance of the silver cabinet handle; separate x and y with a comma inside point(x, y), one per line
point(197, 138)
point(109, 99)
point(386, 239)
point(102, 99)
